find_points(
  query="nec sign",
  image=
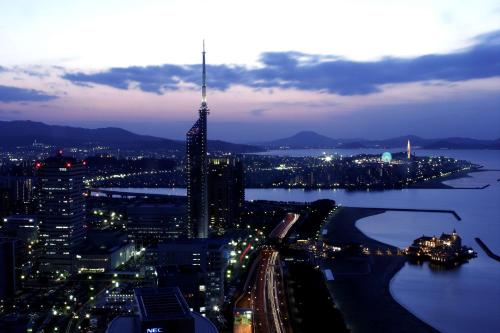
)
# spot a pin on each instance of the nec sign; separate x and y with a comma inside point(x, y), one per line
point(154, 330)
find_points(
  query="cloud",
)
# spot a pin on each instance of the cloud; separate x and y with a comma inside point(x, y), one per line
point(295, 70)
point(9, 112)
point(14, 94)
point(258, 112)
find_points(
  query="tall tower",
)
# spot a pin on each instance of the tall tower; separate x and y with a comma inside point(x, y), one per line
point(197, 167)
point(61, 212)
point(408, 150)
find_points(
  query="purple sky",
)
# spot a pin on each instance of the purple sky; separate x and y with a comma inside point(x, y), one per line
point(373, 70)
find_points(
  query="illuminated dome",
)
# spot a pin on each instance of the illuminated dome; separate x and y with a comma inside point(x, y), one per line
point(386, 157)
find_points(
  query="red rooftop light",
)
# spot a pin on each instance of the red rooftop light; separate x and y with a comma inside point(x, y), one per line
point(68, 165)
point(38, 165)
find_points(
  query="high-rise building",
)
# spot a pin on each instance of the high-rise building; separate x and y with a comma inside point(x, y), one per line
point(196, 141)
point(61, 210)
point(226, 192)
point(210, 255)
point(7, 269)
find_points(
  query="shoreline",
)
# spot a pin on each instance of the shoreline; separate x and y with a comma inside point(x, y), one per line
point(433, 184)
point(362, 291)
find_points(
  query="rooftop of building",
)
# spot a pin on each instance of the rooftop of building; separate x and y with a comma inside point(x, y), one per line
point(212, 243)
point(177, 269)
point(161, 304)
point(58, 160)
point(20, 217)
point(102, 242)
point(131, 324)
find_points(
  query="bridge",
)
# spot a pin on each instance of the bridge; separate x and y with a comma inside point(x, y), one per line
point(98, 192)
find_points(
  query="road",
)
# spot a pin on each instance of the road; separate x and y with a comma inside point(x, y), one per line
point(269, 297)
point(243, 307)
point(262, 304)
point(282, 229)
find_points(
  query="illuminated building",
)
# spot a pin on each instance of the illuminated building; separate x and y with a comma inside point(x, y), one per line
point(61, 212)
point(103, 251)
point(226, 193)
point(196, 141)
point(149, 223)
point(210, 255)
point(447, 249)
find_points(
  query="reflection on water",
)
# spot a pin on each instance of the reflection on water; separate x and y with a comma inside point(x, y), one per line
point(401, 228)
point(466, 299)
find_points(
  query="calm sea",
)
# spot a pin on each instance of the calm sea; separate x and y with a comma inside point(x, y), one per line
point(465, 299)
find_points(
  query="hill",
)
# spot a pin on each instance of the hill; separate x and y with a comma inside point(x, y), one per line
point(310, 139)
point(24, 133)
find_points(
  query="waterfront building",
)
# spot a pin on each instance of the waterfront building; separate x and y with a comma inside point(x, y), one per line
point(197, 193)
point(447, 249)
point(161, 310)
point(61, 212)
point(226, 193)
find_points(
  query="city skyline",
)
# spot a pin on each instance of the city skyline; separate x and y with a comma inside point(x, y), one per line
point(346, 174)
point(355, 77)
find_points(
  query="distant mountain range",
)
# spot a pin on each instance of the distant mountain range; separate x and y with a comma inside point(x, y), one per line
point(310, 139)
point(23, 133)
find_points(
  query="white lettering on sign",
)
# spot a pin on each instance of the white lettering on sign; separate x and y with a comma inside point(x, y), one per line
point(154, 330)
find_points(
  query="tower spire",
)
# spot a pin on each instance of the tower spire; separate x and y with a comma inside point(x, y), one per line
point(204, 80)
point(408, 149)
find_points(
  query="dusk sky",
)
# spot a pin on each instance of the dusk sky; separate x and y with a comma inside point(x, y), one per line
point(372, 69)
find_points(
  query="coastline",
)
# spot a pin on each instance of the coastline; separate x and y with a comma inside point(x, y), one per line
point(362, 291)
point(431, 184)
point(437, 183)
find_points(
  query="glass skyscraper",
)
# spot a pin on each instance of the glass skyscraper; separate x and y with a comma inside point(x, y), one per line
point(197, 168)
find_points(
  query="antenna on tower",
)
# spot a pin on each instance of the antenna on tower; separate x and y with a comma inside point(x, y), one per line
point(204, 79)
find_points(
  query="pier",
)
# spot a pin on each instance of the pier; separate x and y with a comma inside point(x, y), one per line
point(487, 249)
point(446, 211)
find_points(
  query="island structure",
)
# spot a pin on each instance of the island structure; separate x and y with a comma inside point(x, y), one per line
point(445, 250)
